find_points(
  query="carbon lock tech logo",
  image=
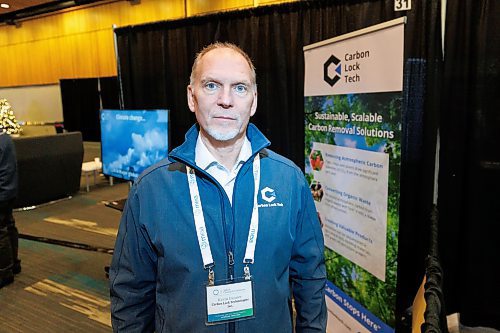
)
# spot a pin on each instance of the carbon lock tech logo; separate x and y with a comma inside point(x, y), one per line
point(332, 63)
point(268, 195)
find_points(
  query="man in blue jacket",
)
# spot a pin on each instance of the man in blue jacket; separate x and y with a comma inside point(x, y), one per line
point(221, 235)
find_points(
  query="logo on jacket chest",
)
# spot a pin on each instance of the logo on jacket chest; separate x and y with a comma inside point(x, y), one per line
point(268, 195)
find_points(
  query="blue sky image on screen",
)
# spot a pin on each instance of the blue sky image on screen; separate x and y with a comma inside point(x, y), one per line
point(132, 140)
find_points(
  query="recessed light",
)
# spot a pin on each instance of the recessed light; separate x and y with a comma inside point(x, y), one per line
point(4, 5)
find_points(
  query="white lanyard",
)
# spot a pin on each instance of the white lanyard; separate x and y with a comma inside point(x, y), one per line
point(201, 230)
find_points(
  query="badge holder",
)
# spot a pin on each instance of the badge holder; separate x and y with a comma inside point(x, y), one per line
point(229, 300)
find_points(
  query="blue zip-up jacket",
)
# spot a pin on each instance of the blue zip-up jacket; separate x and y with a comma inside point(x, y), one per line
point(157, 276)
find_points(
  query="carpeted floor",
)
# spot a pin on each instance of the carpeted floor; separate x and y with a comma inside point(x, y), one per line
point(59, 289)
point(62, 286)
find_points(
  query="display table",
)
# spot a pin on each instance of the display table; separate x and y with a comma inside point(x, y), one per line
point(49, 167)
point(91, 167)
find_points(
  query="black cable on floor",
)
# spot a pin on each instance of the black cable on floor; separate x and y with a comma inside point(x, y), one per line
point(67, 244)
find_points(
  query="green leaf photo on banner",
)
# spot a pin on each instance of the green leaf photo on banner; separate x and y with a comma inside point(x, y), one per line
point(352, 157)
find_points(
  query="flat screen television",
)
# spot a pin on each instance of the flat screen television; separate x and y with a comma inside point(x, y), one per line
point(132, 140)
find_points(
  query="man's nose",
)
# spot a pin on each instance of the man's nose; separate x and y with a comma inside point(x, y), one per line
point(225, 99)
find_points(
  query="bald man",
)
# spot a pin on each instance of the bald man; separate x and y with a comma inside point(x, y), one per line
point(223, 233)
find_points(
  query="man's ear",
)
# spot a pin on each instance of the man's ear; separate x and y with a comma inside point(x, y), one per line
point(191, 99)
point(253, 108)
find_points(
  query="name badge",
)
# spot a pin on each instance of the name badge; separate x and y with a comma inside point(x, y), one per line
point(229, 302)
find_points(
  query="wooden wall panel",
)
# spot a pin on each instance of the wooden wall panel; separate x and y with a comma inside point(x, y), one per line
point(97, 17)
point(46, 61)
point(272, 2)
point(78, 43)
point(197, 7)
point(106, 52)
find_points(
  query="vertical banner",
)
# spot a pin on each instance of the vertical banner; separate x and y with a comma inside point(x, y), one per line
point(353, 98)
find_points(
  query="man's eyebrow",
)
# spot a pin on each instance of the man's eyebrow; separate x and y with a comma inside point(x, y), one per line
point(245, 82)
point(209, 79)
point(236, 82)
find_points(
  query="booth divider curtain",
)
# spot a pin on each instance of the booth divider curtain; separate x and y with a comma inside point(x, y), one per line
point(155, 61)
point(469, 180)
point(82, 99)
point(80, 102)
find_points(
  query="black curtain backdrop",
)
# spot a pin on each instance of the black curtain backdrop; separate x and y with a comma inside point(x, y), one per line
point(108, 90)
point(83, 98)
point(469, 182)
point(155, 61)
point(80, 102)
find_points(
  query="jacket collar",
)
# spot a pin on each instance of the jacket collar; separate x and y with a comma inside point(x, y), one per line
point(186, 152)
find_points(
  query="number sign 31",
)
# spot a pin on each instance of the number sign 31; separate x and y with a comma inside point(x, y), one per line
point(402, 5)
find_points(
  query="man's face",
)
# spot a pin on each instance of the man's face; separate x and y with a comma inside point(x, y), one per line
point(222, 95)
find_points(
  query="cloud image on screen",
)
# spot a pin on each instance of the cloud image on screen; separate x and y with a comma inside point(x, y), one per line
point(132, 140)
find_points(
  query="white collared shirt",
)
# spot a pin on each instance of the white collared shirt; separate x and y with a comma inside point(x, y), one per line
point(206, 161)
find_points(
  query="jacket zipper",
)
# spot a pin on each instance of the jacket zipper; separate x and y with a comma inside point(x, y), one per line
point(228, 246)
point(232, 325)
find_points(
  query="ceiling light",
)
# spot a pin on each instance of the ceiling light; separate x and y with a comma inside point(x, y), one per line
point(4, 5)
